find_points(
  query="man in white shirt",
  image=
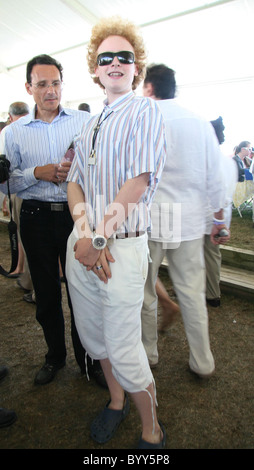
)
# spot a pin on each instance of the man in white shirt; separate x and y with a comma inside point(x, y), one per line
point(192, 175)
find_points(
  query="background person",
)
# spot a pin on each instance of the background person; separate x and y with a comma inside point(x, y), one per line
point(192, 175)
point(84, 107)
point(211, 251)
point(17, 110)
point(3, 197)
point(242, 151)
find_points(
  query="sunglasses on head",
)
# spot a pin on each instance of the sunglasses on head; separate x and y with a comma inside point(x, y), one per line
point(124, 57)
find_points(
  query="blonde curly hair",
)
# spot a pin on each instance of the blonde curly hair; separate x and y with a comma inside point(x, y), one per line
point(116, 26)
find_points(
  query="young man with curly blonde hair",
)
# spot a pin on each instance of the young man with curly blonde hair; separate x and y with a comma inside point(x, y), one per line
point(118, 163)
point(116, 27)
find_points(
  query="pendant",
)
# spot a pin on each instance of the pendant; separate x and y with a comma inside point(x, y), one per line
point(92, 158)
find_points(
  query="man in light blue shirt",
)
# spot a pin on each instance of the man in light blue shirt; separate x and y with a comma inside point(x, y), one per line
point(35, 146)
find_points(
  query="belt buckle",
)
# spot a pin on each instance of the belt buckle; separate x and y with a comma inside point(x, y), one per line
point(121, 236)
point(56, 207)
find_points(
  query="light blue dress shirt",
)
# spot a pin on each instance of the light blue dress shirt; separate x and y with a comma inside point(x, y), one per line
point(30, 142)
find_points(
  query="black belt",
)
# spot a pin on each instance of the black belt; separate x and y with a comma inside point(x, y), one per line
point(129, 235)
point(49, 206)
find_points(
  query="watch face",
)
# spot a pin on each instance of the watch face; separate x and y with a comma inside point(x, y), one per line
point(99, 242)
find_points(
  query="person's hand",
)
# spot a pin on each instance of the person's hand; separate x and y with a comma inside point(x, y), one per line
point(85, 253)
point(47, 173)
point(63, 170)
point(101, 267)
point(220, 234)
point(95, 260)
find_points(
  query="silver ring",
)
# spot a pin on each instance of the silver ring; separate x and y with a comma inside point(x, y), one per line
point(98, 267)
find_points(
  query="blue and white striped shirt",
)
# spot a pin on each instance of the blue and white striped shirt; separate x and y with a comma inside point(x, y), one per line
point(30, 142)
point(130, 142)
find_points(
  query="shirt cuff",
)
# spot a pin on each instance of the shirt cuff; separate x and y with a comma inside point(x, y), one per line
point(29, 176)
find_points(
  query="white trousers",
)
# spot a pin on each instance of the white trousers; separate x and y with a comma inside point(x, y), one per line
point(108, 316)
point(187, 272)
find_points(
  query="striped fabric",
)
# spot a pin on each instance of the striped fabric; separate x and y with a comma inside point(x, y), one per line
point(130, 142)
point(31, 142)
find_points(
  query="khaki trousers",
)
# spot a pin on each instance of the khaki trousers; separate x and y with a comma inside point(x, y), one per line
point(213, 264)
point(187, 272)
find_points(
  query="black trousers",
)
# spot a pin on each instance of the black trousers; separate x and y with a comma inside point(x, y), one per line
point(44, 233)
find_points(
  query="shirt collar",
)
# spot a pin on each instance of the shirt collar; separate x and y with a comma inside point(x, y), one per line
point(31, 116)
point(120, 102)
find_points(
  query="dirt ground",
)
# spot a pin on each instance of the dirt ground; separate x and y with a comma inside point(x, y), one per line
point(214, 414)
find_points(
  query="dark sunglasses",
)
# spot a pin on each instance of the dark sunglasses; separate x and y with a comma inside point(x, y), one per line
point(124, 57)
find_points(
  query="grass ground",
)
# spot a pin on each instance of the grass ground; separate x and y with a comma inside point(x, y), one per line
point(242, 229)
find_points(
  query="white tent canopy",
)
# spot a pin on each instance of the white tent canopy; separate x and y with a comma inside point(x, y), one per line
point(208, 44)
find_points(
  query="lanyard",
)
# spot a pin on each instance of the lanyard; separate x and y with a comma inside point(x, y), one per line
point(92, 156)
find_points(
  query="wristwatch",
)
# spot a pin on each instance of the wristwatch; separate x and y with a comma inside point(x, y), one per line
point(99, 241)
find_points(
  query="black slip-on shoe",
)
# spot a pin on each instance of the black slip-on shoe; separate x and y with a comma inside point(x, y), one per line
point(47, 373)
point(7, 417)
